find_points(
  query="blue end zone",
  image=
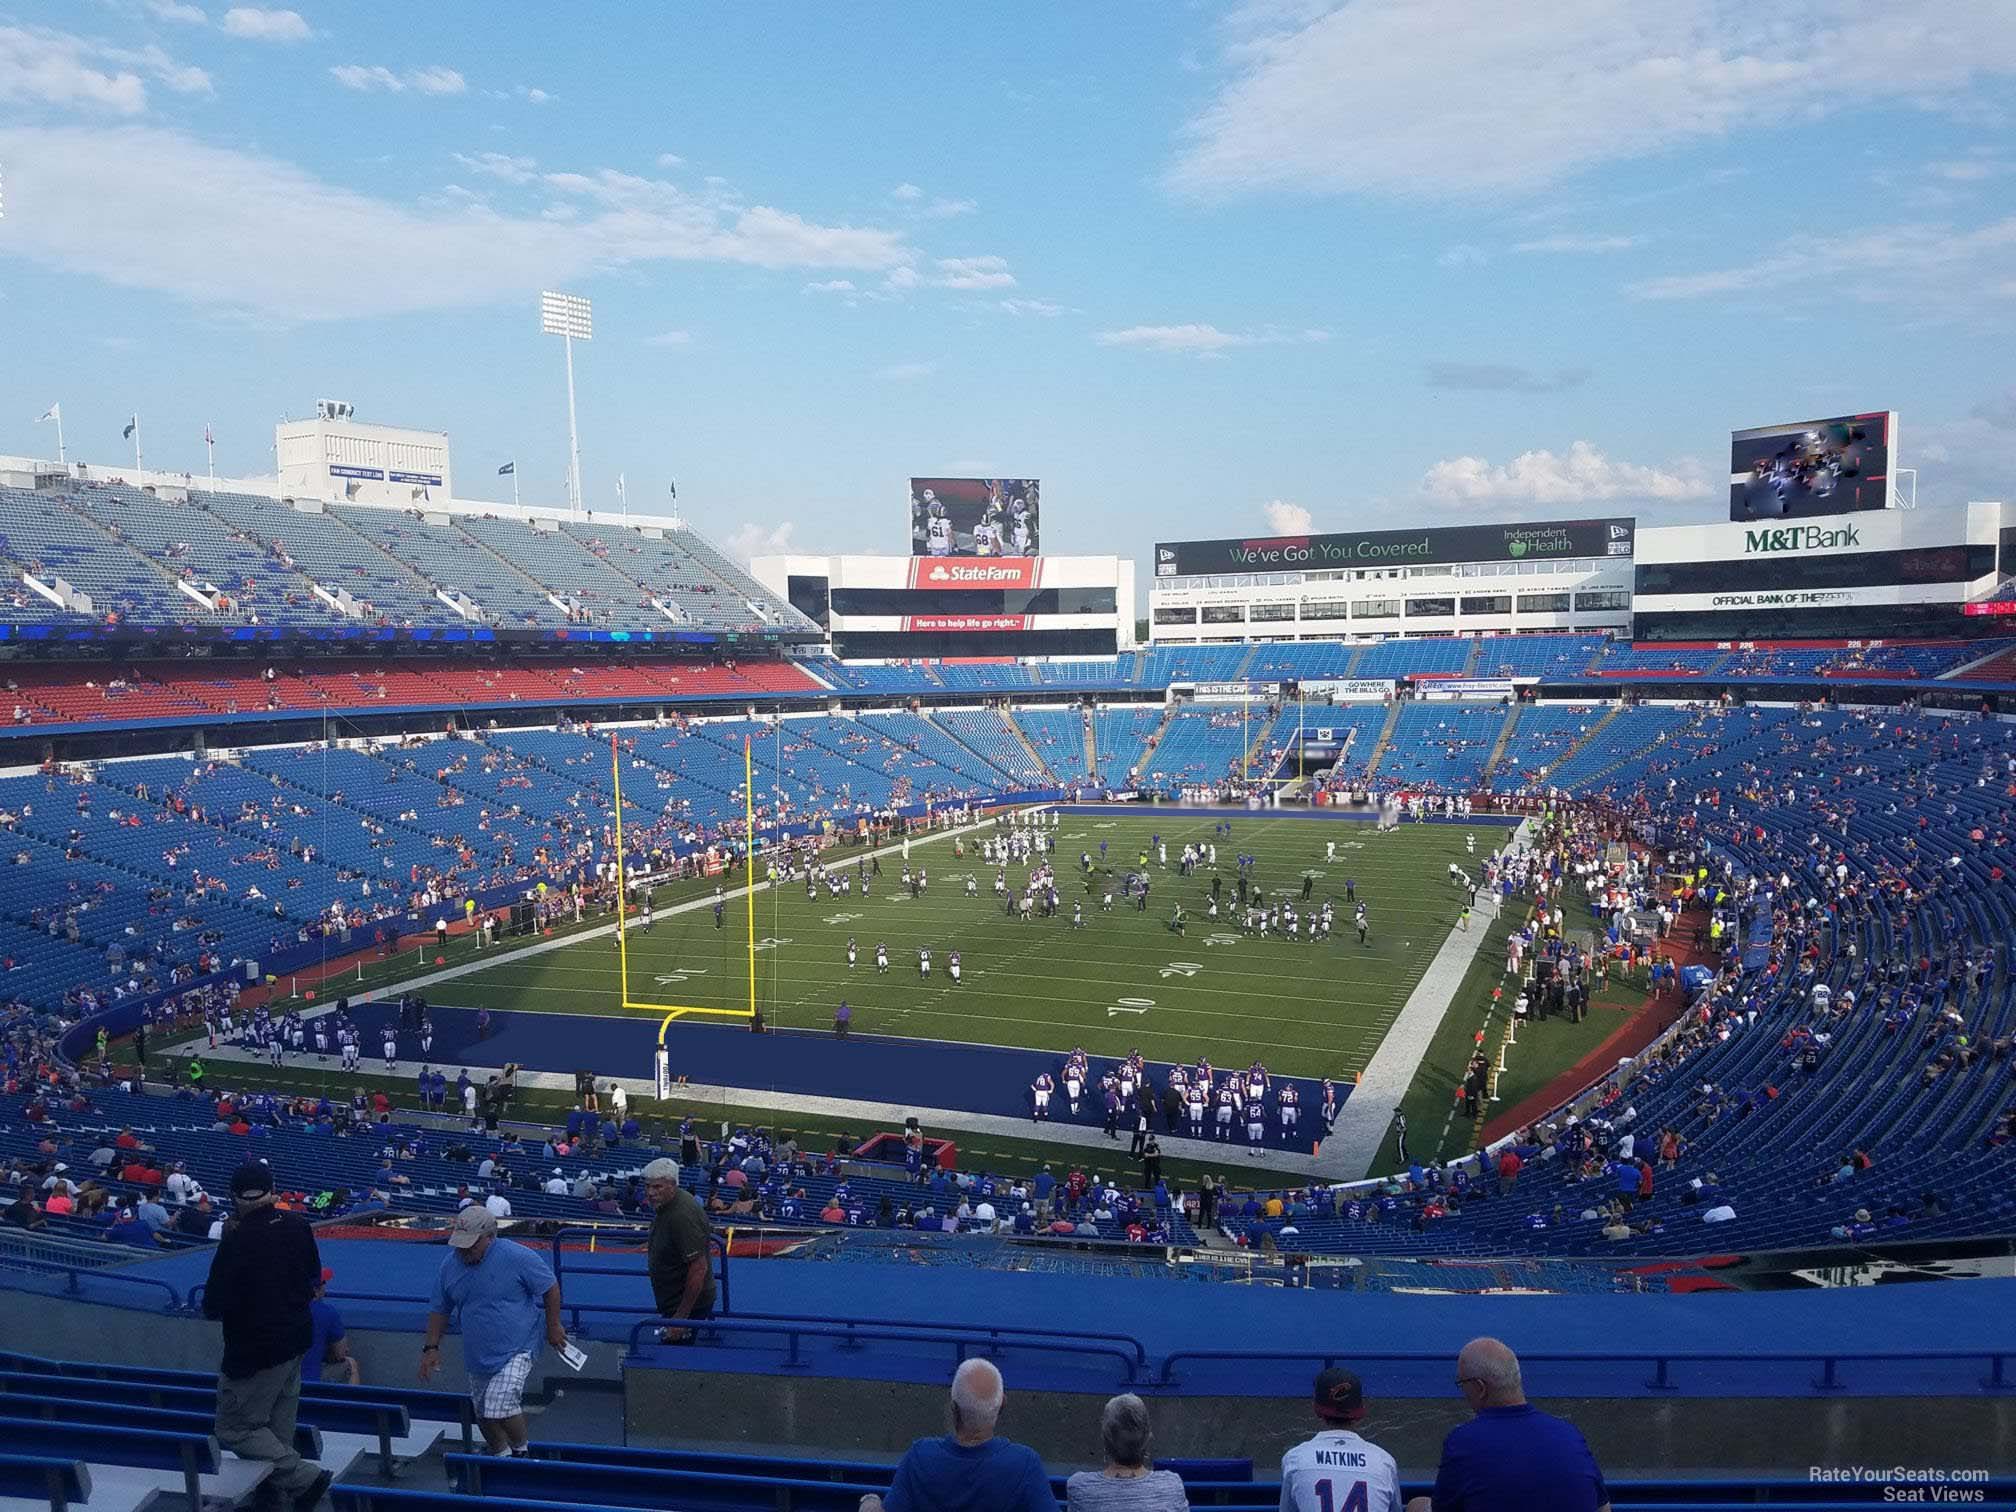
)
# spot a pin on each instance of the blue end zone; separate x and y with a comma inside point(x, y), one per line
point(910, 1073)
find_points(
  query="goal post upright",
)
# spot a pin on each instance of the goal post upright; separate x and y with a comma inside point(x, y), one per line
point(749, 857)
point(670, 1011)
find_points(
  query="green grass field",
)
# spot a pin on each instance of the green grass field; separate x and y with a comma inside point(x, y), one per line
point(1124, 981)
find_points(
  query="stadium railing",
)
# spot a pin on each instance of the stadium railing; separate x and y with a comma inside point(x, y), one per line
point(1662, 1362)
point(965, 1340)
point(717, 1244)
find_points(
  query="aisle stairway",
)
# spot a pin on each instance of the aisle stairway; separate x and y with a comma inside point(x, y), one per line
point(1504, 739)
point(1385, 735)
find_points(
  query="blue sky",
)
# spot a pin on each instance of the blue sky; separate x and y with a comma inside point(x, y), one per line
point(1202, 269)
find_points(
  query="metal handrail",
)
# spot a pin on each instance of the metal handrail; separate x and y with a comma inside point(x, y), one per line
point(76, 1277)
point(1662, 1360)
point(715, 1243)
point(852, 1336)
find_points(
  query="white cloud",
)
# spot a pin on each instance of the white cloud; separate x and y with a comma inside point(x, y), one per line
point(1043, 307)
point(1502, 378)
point(436, 80)
point(258, 25)
point(906, 192)
point(906, 372)
point(974, 273)
point(1416, 98)
point(670, 160)
point(831, 286)
point(1967, 170)
point(364, 78)
point(1580, 244)
point(946, 209)
point(1932, 265)
point(1581, 475)
point(1204, 339)
point(376, 78)
point(304, 249)
point(43, 67)
point(751, 540)
point(669, 339)
point(533, 96)
point(1463, 255)
point(1286, 519)
point(175, 10)
point(515, 170)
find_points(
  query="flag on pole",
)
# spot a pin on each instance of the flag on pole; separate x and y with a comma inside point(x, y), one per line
point(508, 469)
point(209, 438)
point(54, 412)
point(672, 489)
point(131, 426)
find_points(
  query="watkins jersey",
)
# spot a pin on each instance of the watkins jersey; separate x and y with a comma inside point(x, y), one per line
point(1337, 1471)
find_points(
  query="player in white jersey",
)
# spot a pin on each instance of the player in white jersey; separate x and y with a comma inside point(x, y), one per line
point(391, 1049)
point(986, 539)
point(1337, 1471)
point(1193, 1105)
point(349, 1038)
point(923, 964)
point(1022, 531)
point(881, 957)
point(938, 533)
point(1041, 1088)
point(1290, 1102)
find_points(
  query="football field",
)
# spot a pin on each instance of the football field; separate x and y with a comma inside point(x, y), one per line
point(1126, 980)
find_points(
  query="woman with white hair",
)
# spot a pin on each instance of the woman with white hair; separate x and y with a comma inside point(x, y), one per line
point(1129, 1483)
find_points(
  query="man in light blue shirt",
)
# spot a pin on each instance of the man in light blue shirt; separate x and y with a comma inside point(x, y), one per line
point(510, 1307)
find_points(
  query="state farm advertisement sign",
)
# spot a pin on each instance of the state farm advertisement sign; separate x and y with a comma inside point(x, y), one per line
point(965, 622)
point(976, 572)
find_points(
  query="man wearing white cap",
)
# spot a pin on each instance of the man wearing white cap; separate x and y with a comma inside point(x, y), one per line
point(500, 1288)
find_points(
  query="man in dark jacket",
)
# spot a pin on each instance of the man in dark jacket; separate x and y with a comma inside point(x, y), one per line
point(262, 1279)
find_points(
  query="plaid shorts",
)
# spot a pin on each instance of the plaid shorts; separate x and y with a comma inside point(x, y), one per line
point(501, 1395)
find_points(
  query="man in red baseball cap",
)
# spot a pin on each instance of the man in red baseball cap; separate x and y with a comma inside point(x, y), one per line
point(1337, 1471)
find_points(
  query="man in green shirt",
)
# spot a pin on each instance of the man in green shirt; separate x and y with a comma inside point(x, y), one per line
point(682, 1277)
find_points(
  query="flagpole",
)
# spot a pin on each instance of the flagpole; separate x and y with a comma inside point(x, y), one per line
point(139, 467)
point(210, 446)
point(55, 412)
point(514, 485)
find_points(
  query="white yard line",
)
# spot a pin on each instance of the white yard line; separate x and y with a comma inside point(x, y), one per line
point(1367, 1114)
point(505, 956)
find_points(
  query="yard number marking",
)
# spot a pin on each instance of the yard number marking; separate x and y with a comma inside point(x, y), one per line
point(1182, 968)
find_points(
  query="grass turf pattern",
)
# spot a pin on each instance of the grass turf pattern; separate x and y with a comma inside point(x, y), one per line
point(1124, 981)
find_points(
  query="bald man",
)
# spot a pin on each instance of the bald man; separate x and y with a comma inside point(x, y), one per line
point(971, 1469)
point(1510, 1457)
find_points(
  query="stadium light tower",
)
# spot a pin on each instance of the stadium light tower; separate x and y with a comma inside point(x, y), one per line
point(569, 317)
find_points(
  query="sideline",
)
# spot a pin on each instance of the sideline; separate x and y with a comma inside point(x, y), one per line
point(936, 1121)
point(1367, 1114)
